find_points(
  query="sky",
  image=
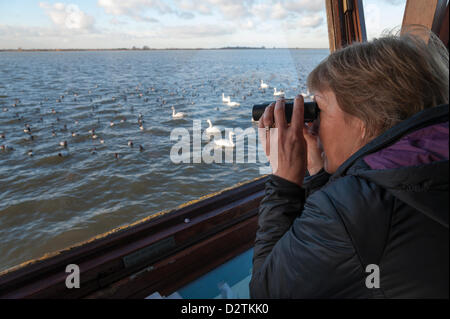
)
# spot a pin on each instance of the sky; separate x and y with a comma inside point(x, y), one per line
point(94, 24)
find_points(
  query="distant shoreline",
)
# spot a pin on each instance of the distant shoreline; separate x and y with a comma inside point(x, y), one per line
point(152, 49)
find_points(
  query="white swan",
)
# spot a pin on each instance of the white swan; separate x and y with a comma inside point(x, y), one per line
point(212, 129)
point(177, 115)
point(225, 99)
point(277, 93)
point(308, 96)
point(264, 85)
point(233, 103)
point(224, 142)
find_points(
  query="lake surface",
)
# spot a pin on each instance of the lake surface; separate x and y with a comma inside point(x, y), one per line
point(63, 195)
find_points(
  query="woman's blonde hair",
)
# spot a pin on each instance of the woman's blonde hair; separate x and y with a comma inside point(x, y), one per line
point(386, 80)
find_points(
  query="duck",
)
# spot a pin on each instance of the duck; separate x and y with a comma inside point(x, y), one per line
point(63, 144)
point(224, 142)
point(102, 141)
point(30, 153)
point(225, 99)
point(111, 124)
point(94, 136)
point(177, 115)
point(212, 129)
point(74, 134)
point(6, 148)
point(264, 85)
point(277, 93)
point(141, 127)
point(130, 143)
point(141, 148)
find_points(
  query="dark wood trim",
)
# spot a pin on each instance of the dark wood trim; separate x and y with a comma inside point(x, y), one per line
point(104, 260)
point(346, 23)
point(172, 273)
point(443, 32)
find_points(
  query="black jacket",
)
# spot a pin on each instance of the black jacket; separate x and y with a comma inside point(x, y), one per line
point(387, 205)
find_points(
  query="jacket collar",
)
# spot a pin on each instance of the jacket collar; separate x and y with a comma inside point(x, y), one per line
point(422, 119)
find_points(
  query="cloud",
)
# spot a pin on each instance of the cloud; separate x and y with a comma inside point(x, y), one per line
point(138, 9)
point(197, 31)
point(202, 7)
point(311, 21)
point(68, 16)
point(230, 9)
point(395, 2)
point(302, 6)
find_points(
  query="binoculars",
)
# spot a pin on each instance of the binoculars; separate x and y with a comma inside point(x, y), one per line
point(311, 110)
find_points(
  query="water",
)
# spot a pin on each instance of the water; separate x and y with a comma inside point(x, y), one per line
point(48, 202)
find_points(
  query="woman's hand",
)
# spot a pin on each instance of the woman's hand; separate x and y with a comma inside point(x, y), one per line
point(315, 160)
point(288, 153)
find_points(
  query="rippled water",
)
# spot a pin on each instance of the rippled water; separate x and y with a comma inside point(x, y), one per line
point(48, 202)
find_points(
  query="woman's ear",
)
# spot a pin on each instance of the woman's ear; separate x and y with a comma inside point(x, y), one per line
point(363, 130)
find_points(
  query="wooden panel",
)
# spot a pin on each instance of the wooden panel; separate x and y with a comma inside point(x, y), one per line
point(428, 14)
point(174, 272)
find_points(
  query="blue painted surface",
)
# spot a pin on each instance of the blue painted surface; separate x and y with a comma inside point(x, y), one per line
point(231, 272)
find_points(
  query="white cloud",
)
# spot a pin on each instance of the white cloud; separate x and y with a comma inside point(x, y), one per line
point(230, 9)
point(197, 31)
point(68, 16)
point(301, 6)
point(200, 7)
point(138, 9)
point(395, 2)
point(132, 7)
point(311, 21)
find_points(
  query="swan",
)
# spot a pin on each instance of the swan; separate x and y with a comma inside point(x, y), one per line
point(225, 99)
point(212, 129)
point(224, 142)
point(233, 103)
point(277, 93)
point(177, 115)
point(264, 85)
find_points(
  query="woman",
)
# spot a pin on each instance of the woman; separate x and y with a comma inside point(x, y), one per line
point(370, 220)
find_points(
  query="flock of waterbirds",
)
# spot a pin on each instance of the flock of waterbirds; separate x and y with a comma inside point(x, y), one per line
point(94, 135)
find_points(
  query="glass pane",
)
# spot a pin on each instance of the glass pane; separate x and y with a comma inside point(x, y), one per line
point(86, 96)
point(383, 16)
